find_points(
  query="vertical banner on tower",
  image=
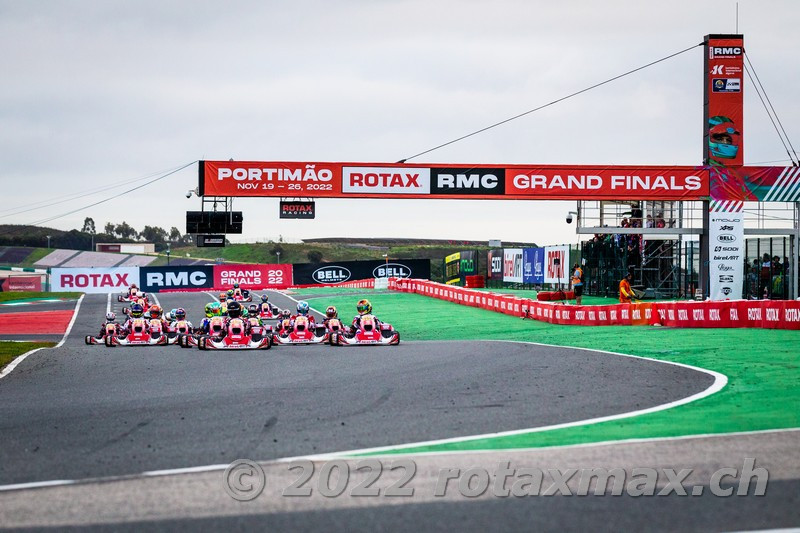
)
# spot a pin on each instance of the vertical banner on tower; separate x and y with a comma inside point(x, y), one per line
point(724, 97)
point(727, 253)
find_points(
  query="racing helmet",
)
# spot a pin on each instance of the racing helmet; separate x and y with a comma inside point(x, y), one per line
point(229, 293)
point(179, 314)
point(169, 316)
point(209, 309)
point(155, 311)
point(264, 298)
point(234, 310)
point(223, 296)
point(302, 307)
point(723, 137)
point(253, 309)
point(235, 285)
point(331, 312)
point(245, 312)
point(286, 313)
point(216, 309)
point(111, 316)
point(136, 311)
point(134, 286)
point(364, 307)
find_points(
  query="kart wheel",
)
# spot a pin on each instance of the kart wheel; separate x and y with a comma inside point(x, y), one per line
point(396, 341)
point(201, 343)
point(333, 340)
point(109, 342)
point(88, 339)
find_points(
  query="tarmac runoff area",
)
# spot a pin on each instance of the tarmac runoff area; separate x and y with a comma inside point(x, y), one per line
point(117, 413)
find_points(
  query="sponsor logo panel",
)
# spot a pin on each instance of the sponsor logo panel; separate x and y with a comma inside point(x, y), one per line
point(94, 280)
point(386, 180)
point(481, 181)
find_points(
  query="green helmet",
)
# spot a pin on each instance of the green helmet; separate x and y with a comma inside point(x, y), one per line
point(209, 310)
point(216, 309)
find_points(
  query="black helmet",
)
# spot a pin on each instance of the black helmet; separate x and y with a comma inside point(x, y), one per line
point(234, 309)
point(252, 309)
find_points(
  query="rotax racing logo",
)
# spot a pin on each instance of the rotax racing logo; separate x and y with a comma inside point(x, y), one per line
point(386, 180)
point(331, 274)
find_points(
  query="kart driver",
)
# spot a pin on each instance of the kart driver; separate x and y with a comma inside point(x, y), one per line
point(237, 291)
point(111, 318)
point(132, 290)
point(179, 315)
point(234, 313)
point(136, 312)
point(364, 308)
point(268, 308)
point(303, 310)
point(155, 314)
point(330, 314)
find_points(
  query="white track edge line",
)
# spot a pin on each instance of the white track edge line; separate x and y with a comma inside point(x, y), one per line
point(720, 380)
point(322, 457)
point(13, 364)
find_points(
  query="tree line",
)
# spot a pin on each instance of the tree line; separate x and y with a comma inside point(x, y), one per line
point(86, 237)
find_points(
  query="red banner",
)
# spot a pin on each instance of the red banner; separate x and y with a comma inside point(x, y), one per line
point(22, 284)
point(724, 96)
point(252, 276)
point(393, 180)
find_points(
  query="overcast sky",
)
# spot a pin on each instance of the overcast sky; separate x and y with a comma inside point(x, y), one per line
point(96, 93)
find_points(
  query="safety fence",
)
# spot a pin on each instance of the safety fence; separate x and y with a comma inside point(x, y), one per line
point(770, 314)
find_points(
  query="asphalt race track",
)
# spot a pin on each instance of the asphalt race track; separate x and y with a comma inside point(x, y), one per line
point(80, 412)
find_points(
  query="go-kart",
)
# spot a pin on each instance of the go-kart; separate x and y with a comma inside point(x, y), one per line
point(302, 333)
point(236, 337)
point(111, 329)
point(176, 330)
point(143, 333)
point(370, 333)
point(126, 297)
point(243, 296)
point(271, 313)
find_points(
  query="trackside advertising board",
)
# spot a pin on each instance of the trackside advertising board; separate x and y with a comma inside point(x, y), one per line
point(334, 273)
point(252, 276)
point(452, 269)
point(556, 259)
point(156, 279)
point(512, 265)
point(93, 280)
point(533, 265)
point(727, 253)
point(394, 180)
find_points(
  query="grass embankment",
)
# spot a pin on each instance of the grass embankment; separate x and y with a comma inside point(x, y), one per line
point(18, 296)
point(762, 366)
point(11, 350)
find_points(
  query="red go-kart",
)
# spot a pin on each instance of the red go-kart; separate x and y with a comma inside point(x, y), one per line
point(302, 333)
point(109, 330)
point(371, 333)
point(143, 333)
point(237, 337)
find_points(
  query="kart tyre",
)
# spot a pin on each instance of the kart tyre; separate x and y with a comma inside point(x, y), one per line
point(201, 343)
point(397, 342)
point(109, 342)
point(333, 340)
point(88, 339)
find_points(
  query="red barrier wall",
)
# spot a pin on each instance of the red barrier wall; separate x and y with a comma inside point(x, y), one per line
point(772, 314)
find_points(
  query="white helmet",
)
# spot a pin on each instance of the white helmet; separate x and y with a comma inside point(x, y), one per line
point(110, 316)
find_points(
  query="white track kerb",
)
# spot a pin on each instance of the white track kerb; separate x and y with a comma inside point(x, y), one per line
point(13, 364)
